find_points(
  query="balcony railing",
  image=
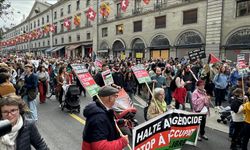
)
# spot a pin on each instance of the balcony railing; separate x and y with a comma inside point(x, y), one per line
point(137, 11)
point(118, 16)
point(88, 24)
point(158, 6)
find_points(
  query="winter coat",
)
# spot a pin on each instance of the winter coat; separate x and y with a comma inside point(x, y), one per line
point(28, 135)
point(199, 100)
point(100, 130)
point(220, 81)
point(235, 105)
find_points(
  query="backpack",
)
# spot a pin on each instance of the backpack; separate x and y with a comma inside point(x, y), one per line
point(173, 85)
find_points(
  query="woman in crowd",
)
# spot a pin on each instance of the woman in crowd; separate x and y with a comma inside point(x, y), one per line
point(220, 82)
point(24, 133)
point(200, 103)
point(157, 106)
point(62, 78)
point(30, 94)
point(130, 84)
point(180, 93)
point(6, 87)
point(43, 78)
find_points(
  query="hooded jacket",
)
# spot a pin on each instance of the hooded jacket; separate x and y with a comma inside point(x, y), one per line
point(100, 131)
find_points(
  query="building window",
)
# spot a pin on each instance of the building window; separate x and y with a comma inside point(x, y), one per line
point(55, 15)
point(190, 16)
point(78, 38)
point(119, 29)
point(243, 8)
point(88, 36)
point(70, 39)
point(49, 42)
point(104, 32)
point(42, 21)
point(138, 26)
point(77, 4)
point(87, 3)
point(69, 9)
point(38, 23)
point(61, 12)
point(118, 10)
point(39, 44)
point(62, 40)
point(160, 22)
point(30, 25)
point(56, 41)
point(35, 45)
point(34, 24)
point(61, 27)
point(43, 43)
point(55, 27)
point(47, 18)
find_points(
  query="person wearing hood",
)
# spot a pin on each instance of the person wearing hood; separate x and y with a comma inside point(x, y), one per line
point(100, 131)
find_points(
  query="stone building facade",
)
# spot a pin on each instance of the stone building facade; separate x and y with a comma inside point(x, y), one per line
point(159, 29)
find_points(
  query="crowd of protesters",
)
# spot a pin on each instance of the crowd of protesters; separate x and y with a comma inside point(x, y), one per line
point(175, 83)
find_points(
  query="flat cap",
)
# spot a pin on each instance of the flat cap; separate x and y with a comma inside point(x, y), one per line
point(107, 91)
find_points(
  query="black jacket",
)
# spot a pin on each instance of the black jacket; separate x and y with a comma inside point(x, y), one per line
point(118, 79)
point(99, 80)
point(28, 135)
point(235, 104)
point(100, 124)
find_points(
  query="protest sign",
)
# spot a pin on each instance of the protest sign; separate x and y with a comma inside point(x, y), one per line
point(241, 62)
point(168, 131)
point(85, 79)
point(79, 68)
point(123, 101)
point(141, 74)
point(197, 54)
point(98, 63)
point(107, 77)
point(88, 83)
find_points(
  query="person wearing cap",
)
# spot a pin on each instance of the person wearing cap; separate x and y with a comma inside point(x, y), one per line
point(30, 84)
point(200, 103)
point(100, 131)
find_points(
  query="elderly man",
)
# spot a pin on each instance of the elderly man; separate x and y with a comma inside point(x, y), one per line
point(100, 130)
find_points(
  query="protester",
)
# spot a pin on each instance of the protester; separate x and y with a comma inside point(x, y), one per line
point(61, 79)
point(200, 102)
point(30, 92)
point(100, 131)
point(6, 87)
point(43, 78)
point(237, 118)
point(118, 76)
point(220, 82)
point(189, 80)
point(157, 105)
point(24, 133)
point(130, 84)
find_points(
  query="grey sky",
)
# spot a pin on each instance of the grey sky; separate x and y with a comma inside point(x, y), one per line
point(19, 9)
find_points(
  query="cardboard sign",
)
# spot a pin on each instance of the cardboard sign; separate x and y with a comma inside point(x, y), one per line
point(170, 131)
point(197, 54)
point(123, 101)
point(79, 68)
point(107, 77)
point(141, 74)
point(98, 63)
point(241, 62)
point(139, 55)
point(88, 83)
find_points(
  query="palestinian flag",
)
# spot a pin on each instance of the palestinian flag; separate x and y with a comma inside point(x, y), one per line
point(213, 59)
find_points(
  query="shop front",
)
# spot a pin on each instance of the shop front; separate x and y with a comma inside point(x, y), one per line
point(58, 52)
point(138, 48)
point(72, 50)
point(103, 51)
point(159, 48)
point(118, 48)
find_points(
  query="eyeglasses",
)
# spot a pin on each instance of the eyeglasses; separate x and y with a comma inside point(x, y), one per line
point(12, 112)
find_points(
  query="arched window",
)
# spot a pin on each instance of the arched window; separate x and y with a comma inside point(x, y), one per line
point(159, 41)
point(138, 44)
point(241, 37)
point(189, 38)
point(118, 46)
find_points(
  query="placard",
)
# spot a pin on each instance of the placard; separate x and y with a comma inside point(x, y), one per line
point(88, 83)
point(197, 54)
point(141, 74)
point(107, 77)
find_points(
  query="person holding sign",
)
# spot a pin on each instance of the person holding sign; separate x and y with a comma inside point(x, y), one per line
point(200, 102)
point(100, 131)
point(153, 110)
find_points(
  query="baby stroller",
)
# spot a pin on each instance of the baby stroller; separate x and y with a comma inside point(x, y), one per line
point(225, 114)
point(72, 101)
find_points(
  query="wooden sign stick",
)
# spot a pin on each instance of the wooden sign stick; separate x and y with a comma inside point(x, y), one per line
point(153, 97)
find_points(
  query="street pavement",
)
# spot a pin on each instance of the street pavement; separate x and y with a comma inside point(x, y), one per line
point(63, 131)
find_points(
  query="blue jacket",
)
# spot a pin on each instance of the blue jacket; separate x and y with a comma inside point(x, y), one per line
point(31, 82)
point(220, 81)
point(234, 77)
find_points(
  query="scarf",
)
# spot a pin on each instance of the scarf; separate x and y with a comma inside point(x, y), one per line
point(8, 141)
point(162, 105)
